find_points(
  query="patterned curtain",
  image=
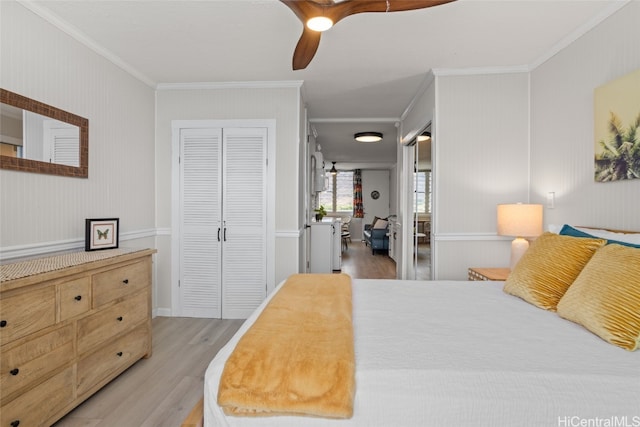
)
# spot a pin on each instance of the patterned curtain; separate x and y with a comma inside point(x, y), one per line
point(358, 208)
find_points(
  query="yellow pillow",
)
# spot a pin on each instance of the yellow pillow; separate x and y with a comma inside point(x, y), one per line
point(605, 298)
point(549, 267)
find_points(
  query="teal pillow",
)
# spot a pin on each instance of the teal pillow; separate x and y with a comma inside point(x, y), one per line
point(568, 230)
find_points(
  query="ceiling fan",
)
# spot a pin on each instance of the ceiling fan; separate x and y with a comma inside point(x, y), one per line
point(327, 13)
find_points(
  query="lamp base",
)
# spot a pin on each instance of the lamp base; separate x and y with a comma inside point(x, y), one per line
point(518, 247)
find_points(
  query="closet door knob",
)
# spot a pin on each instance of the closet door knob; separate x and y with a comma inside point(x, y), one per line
point(3, 323)
point(119, 354)
point(78, 297)
point(14, 371)
point(125, 281)
point(119, 318)
point(15, 423)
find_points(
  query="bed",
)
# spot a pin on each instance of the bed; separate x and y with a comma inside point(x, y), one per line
point(449, 353)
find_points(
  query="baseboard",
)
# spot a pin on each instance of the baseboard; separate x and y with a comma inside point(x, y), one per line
point(162, 312)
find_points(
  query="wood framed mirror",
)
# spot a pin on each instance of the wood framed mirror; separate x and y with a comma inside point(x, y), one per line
point(39, 138)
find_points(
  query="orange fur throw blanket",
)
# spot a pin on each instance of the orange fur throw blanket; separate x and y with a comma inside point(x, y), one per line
point(298, 357)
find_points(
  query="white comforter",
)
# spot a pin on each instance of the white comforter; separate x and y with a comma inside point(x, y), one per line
point(466, 354)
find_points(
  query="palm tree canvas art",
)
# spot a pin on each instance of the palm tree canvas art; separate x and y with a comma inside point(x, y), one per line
point(617, 137)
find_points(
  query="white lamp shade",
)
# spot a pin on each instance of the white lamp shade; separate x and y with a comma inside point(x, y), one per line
point(520, 220)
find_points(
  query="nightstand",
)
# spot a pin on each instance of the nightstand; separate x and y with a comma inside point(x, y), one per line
point(499, 274)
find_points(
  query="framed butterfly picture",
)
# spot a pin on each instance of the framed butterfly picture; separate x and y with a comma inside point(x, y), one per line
point(101, 233)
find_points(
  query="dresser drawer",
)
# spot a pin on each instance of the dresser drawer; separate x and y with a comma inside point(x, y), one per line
point(106, 324)
point(40, 403)
point(27, 363)
point(119, 282)
point(27, 312)
point(112, 359)
point(75, 298)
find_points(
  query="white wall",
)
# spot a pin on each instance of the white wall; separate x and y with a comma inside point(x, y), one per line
point(228, 102)
point(304, 200)
point(509, 137)
point(393, 190)
point(375, 180)
point(417, 116)
point(481, 159)
point(43, 213)
point(562, 142)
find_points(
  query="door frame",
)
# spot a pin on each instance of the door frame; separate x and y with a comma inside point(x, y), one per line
point(176, 126)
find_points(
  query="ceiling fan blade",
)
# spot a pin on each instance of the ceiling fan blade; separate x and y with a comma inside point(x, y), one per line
point(306, 48)
point(342, 10)
point(306, 9)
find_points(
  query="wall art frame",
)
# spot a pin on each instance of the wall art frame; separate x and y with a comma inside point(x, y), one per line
point(617, 129)
point(101, 233)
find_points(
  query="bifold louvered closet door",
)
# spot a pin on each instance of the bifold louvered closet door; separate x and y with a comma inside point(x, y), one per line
point(223, 221)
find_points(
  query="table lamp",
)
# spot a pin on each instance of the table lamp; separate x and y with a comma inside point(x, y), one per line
point(519, 220)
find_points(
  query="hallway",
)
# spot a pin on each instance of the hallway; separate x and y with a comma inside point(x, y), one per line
point(359, 263)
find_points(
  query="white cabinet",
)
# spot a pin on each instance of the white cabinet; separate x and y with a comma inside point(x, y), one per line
point(326, 248)
point(222, 236)
point(336, 257)
point(394, 239)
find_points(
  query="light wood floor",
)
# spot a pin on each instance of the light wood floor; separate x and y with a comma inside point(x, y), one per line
point(159, 391)
point(359, 263)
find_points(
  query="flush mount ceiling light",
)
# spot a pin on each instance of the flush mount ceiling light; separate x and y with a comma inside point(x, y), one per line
point(319, 23)
point(425, 136)
point(368, 136)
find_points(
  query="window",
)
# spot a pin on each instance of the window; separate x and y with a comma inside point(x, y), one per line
point(422, 189)
point(339, 195)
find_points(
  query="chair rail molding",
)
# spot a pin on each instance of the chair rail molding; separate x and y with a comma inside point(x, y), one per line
point(49, 248)
point(290, 234)
point(465, 237)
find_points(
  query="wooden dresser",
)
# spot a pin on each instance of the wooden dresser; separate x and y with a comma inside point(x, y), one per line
point(69, 324)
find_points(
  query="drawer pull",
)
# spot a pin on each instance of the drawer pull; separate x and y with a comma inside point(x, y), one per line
point(119, 354)
point(15, 423)
point(14, 371)
point(78, 297)
point(125, 281)
point(3, 323)
point(119, 318)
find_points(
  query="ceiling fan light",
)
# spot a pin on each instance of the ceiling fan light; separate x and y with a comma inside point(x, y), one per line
point(368, 136)
point(319, 23)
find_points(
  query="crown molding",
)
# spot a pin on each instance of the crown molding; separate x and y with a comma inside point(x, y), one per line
point(356, 120)
point(439, 72)
point(614, 7)
point(428, 79)
point(579, 32)
point(230, 85)
point(79, 36)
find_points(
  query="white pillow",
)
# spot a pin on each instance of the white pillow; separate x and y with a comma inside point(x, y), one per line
point(380, 223)
point(554, 228)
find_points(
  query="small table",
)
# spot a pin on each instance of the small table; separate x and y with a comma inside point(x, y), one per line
point(497, 274)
